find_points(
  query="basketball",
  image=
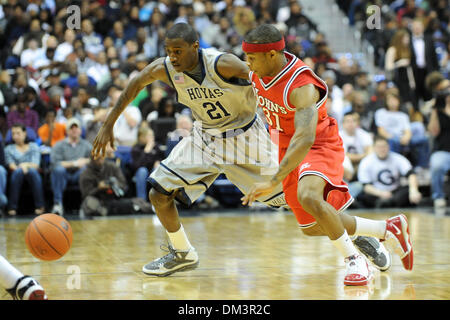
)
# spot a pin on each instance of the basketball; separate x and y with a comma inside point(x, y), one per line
point(48, 237)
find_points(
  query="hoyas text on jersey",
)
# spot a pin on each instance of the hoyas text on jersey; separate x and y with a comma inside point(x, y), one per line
point(204, 93)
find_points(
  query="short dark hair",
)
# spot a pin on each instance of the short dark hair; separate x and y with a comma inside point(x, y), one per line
point(48, 111)
point(182, 31)
point(29, 89)
point(380, 138)
point(349, 113)
point(19, 125)
point(21, 97)
point(265, 33)
point(393, 93)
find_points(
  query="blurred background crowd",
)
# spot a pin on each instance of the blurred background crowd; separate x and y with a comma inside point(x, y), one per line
point(59, 79)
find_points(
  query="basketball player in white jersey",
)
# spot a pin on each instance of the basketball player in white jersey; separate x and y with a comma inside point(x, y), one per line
point(227, 137)
point(20, 287)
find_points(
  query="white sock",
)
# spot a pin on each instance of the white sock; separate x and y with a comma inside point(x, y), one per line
point(345, 245)
point(371, 228)
point(179, 240)
point(8, 274)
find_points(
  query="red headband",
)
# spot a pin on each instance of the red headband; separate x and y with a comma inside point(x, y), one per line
point(263, 47)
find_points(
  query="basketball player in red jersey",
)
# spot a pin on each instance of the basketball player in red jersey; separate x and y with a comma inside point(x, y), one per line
point(311, 154)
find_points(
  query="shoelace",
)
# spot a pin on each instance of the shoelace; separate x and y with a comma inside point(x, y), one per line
point(167, 248)
point(172, 253)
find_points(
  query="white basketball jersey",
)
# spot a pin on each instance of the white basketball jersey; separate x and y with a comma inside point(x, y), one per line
point(216, 103)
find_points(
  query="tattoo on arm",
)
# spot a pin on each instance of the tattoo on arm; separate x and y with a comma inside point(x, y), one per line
point(303, 117)
point(306, 116)
point(300, 142)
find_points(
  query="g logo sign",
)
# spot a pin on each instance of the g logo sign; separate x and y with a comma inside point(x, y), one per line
point(386, 177)
point(352, 150)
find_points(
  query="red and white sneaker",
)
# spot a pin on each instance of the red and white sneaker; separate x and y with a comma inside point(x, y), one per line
point(398, 239)
point(27, 288)
point(357, 273)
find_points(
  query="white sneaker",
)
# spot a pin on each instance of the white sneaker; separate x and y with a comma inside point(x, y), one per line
point(357, 273)
point(27, 288)
point(58, 209)
point(174, 261)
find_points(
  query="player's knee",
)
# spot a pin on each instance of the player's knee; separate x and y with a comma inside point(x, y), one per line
point(157, 199)
point(310, 202)
point(313, 231)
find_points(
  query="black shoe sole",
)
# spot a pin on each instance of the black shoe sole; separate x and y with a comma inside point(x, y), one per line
point(369, 250)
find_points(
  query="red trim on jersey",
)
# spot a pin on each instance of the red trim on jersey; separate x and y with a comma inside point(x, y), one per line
point(263, 47)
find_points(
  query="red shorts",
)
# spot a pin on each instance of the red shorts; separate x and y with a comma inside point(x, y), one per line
point(325, 159)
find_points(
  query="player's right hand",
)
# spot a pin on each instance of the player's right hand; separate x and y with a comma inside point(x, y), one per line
point(259, 189)
point(104, 137)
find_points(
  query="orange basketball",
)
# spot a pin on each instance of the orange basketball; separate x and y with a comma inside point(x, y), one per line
point(48, 237)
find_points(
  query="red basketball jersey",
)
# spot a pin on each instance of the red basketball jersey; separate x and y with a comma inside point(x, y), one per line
point(325, 157)
point(273, 96)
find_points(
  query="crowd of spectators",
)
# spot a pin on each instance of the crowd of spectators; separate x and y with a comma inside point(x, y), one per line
point(58, 83)
point(409, 102)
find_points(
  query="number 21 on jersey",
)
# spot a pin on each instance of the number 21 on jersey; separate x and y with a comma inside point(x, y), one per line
point(272, 119)
point(211, 107)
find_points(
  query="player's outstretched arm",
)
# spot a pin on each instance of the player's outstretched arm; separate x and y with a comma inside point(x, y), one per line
point(229, 66)
point(304, 99)
point(154, 71)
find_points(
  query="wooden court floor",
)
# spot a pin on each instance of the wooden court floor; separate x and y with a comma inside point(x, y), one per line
point(251, 256)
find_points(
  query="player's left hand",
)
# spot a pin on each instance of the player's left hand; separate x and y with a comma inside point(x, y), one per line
point(258, 190)
point(104, 136)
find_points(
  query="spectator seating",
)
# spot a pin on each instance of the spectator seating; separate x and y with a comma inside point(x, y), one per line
point(161, 127)
point(116, 56)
